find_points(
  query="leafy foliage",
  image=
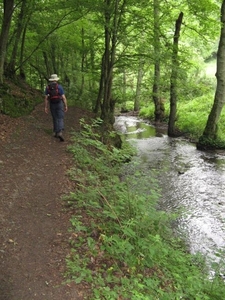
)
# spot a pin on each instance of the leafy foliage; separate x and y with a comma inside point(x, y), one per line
point(122, 246)
point(19, 99)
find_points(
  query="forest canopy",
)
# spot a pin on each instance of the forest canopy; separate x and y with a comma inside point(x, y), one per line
point(118, 54)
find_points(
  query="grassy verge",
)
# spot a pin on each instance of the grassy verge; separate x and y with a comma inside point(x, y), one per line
point(192, 115)
point(122, 247)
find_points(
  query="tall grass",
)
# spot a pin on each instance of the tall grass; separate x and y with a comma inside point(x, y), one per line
point(192, 115)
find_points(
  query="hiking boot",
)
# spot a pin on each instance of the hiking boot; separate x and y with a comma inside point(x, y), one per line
point(60, 136)
point(55, 135)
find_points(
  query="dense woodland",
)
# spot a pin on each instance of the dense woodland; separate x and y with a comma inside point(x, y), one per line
point(162, 59)
point(146, 56)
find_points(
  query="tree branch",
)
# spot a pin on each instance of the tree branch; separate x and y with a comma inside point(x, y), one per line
point(46, 36)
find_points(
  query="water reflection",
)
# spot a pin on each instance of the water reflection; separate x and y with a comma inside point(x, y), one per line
point(133, 128)
point(191, 181)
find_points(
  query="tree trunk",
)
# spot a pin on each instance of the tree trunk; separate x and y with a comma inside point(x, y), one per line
point(107, 67)
point(138, 87)
point(113, 14)
point(100, 90)
point(7, 16)
point(10, 71)
point(124, 91)
point(47, 64)
point(173, 80)
point(53, 56)
point(210, 131)
point(156, 91)
point(21, 69)
point(159, 113)
point(82, 64)
point(92, 81)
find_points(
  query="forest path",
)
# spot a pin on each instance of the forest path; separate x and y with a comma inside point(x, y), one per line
point(33, 224)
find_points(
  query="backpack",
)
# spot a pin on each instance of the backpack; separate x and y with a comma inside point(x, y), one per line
point(53, 92)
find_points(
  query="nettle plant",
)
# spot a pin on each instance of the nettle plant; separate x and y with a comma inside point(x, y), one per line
point(122, 247)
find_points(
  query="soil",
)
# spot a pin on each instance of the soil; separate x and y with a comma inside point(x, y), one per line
point(34, 236)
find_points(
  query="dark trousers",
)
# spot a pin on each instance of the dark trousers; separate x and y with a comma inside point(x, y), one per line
point(57, 111)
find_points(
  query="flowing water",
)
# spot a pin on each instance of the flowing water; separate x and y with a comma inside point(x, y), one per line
point(192, 182)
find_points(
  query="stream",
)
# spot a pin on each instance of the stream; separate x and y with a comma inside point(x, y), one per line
point(192, 182)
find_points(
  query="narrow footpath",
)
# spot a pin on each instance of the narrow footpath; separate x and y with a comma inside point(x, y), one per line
point(34, 237)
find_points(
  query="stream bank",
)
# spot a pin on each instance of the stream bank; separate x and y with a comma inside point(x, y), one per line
point(192, 183)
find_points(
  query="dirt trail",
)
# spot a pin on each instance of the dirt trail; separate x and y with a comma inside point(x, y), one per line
point(33, 225)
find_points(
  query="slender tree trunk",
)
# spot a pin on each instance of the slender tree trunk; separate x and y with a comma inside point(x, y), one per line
point(156, 91)
point(107, 65)
point(173, 80)
point(92, 82)
point(53, 58)
point(100, 90)
point(47, 64)
point(7, 16)
point(138, 87)
point(124, 91)
point(10, 71)
point(210, 132)
point(21, 69)
point(113, 14)
point(159, 113)
point(82, 64)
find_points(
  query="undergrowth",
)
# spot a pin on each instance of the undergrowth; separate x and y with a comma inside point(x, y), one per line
point(122, 246)
point(18, 98)
point(192, 115)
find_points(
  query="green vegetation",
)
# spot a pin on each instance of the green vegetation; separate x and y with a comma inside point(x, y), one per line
point(18, 98)
point(18, 107)
point(192, 116)
point(106, 54)
point(122, 246)
point(127, 67)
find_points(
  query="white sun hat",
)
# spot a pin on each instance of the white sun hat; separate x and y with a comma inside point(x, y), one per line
point(54, 77)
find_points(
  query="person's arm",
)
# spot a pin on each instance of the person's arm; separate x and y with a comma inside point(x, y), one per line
point(61, 90)
point(46, 102)
point(65, 102)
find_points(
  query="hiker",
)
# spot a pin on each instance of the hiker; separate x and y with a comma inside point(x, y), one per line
point(56, 100)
